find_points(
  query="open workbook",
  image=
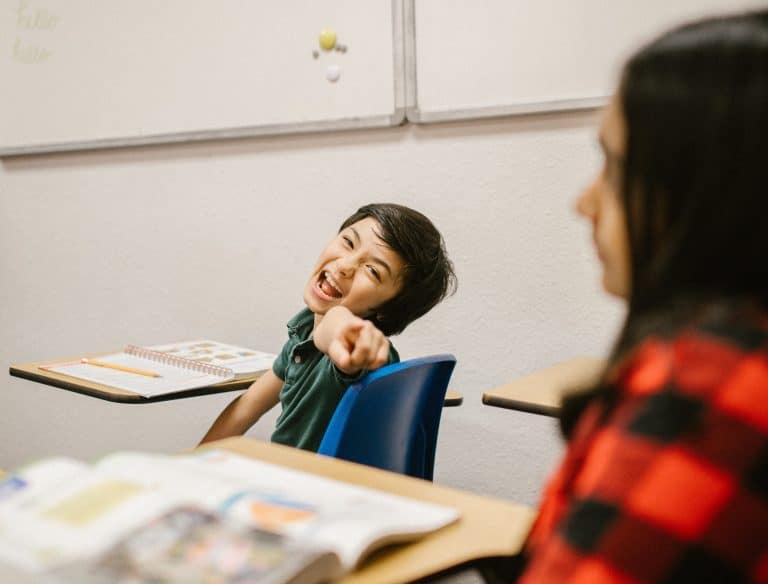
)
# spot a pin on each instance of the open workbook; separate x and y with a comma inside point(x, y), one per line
point(206, 517)
point(169, 368)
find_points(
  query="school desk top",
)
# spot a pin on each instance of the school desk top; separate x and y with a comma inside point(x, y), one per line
point(33, 372)
point(541, 392)
point(488, 527)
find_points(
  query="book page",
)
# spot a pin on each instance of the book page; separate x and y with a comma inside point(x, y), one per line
point(171, 378)
point(242, 361)
point(59, 510)
point(190, 545)
point(319, 511)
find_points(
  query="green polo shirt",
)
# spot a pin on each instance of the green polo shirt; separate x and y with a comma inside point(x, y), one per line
point(312, 386)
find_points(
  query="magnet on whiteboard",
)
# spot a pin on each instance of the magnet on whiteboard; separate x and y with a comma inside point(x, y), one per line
point(327, 39)
point(333, 73)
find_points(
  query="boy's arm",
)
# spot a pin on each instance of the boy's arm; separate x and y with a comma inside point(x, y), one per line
point(352, 343)
point(246, 409)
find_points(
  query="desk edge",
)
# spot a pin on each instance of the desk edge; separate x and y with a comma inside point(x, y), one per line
point(74, 387)
point(513, 404)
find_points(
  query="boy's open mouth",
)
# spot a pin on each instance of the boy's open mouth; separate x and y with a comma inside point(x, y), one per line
point(327, 286)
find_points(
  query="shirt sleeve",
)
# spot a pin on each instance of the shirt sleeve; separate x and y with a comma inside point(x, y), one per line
point(280, 364)
point(347, 380)
point(673, 485)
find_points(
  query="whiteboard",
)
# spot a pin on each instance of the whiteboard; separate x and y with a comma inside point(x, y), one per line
point(490, 58)
point(92, 73)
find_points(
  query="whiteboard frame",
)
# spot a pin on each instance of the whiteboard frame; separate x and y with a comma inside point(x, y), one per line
point(415, 115)
point(396, 118)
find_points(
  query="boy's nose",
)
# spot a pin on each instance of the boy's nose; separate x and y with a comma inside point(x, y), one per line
point(345, 267)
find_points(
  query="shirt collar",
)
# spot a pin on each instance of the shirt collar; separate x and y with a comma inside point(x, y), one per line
point(302, 323)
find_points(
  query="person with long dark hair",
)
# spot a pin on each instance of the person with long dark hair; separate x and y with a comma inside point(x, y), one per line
point(665, 478)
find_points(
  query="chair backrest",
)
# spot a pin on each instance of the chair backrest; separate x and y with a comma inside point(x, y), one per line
point(390, 418)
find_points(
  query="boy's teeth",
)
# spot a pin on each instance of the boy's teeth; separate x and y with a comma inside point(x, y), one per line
point(329, 287)
point(332, 283)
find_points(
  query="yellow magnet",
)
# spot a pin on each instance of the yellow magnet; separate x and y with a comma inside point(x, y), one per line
point(327, 39)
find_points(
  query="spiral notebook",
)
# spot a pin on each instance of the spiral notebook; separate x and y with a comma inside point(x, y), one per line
point(170, 368)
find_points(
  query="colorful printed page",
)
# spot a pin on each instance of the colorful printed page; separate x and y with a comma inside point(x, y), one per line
point(243, 362)
point(320, 512)
point(60, 510)
point(190, 545)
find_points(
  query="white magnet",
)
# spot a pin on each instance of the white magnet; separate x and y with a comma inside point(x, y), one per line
point(333, 73)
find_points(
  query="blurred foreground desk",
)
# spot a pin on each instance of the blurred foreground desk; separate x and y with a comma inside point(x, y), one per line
point(541, 392)
point(488, 528)
point(33, 372)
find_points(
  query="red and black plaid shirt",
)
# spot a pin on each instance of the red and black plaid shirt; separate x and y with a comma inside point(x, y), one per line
point(670, 484)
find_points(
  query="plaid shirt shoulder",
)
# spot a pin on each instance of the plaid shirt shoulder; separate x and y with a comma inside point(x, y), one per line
point(671, 484)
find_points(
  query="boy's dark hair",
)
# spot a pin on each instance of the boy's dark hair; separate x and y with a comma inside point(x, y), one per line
point(695, 102)
point(428, 274)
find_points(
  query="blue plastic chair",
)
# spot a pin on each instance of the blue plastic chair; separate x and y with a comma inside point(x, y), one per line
point(390, 418)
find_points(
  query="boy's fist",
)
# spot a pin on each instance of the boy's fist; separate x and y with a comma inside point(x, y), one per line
point(352, 343)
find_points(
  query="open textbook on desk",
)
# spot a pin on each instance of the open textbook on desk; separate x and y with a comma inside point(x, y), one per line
point(168, 368)
point(183, 518)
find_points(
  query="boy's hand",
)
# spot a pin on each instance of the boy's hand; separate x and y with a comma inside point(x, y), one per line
point(352, 343)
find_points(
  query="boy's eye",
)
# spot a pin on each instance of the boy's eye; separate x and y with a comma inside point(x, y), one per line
point(374, 272)
point(348, 241)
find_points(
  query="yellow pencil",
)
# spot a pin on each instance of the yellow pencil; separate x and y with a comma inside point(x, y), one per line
point(119, 367)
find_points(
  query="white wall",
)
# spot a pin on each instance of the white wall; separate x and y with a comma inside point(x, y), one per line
point(149, 245)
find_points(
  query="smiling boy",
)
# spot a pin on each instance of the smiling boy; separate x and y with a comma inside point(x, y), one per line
point(386, 267)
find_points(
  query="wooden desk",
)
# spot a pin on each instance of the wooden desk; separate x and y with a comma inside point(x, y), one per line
point(33, 372)
point(541, 392)
point(488, 528)
point(452, 399)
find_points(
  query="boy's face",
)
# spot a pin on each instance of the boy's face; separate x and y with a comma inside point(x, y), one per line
point(355, 270)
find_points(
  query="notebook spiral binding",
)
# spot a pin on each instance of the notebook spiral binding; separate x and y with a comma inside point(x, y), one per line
point(177, 361)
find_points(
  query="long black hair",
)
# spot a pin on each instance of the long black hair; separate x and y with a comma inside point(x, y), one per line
point(695, 178)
